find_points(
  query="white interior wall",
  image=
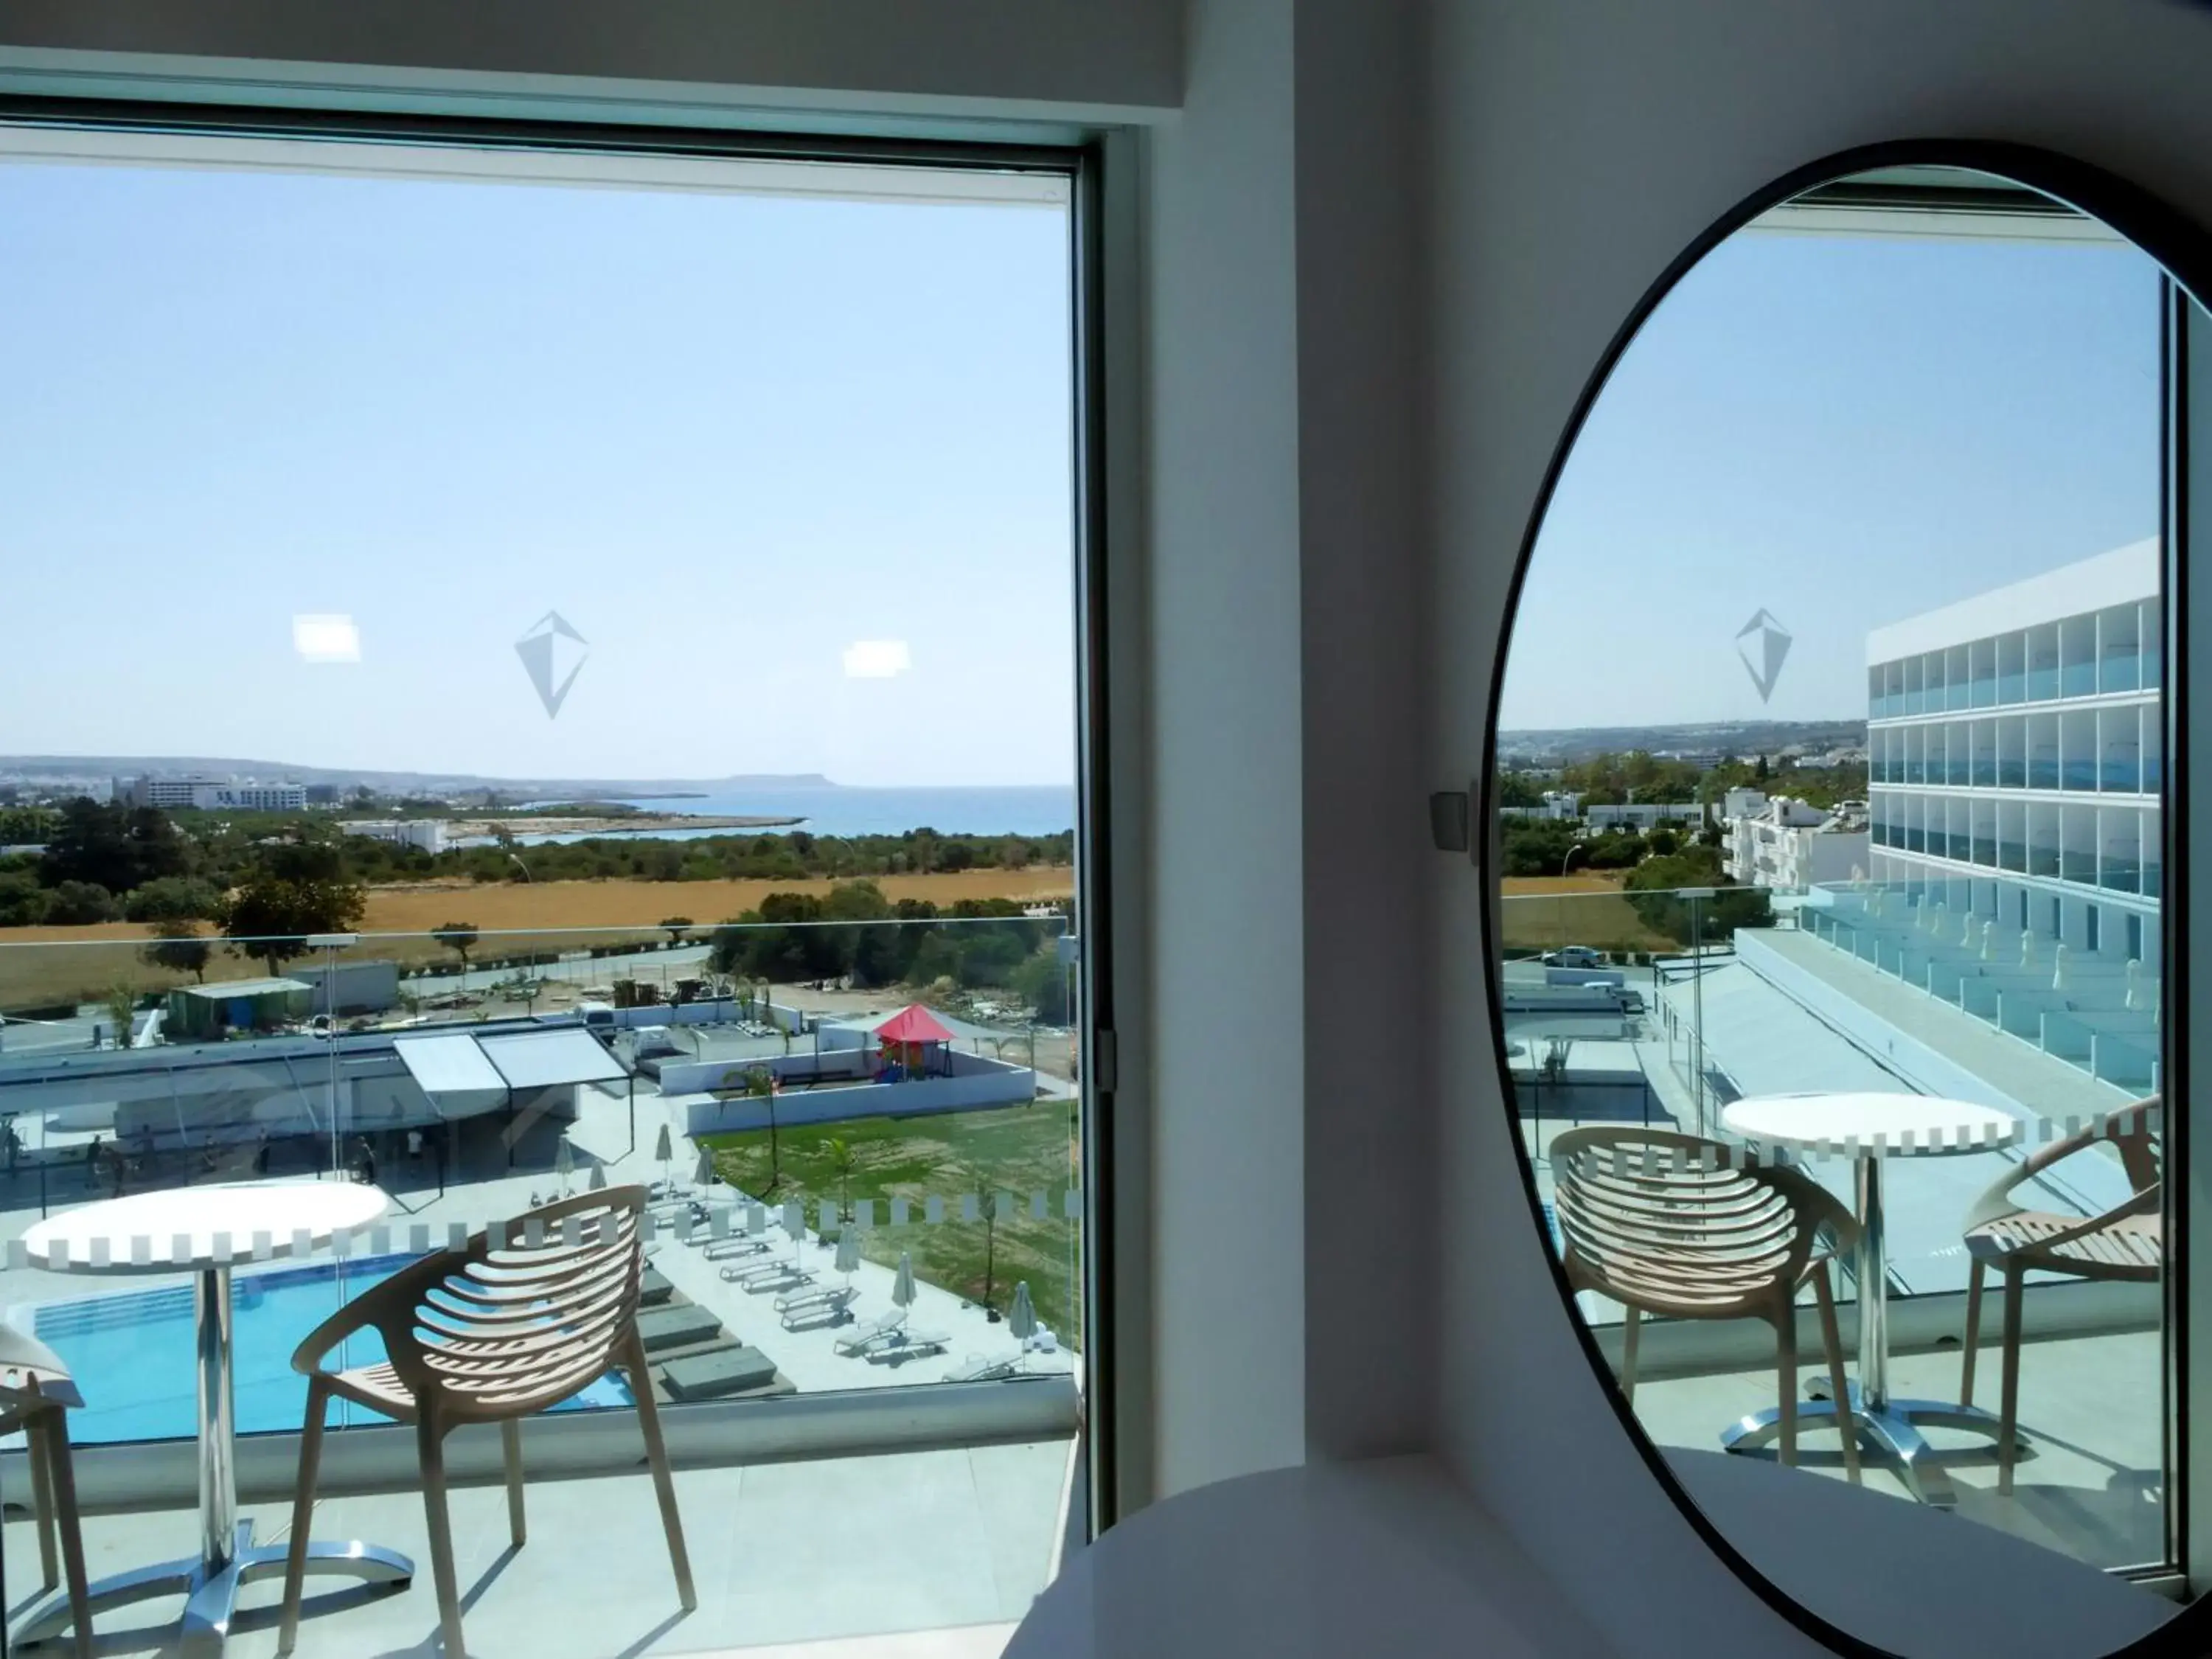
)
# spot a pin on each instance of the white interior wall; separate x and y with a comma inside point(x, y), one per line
point(1578, 148)
point(1229, 1325)
point(989, 58)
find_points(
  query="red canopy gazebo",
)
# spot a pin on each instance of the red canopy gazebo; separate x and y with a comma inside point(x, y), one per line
point(905, 1038)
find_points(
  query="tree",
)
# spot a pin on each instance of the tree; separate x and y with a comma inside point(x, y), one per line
point(838, 1152)
point(677, 927)
point(80, 903)
point(270, 917)
point(460, 938)
point(978, 1181)
point(759, 1084)
point(183, 953)
point(23, 903)
point(112, 846)
point(1513, 789)
point(122, 1007)
point(1041, 981)
point(1652, 889)
point(172, 898)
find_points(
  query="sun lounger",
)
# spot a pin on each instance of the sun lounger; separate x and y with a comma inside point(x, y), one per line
point(907, 1345)
point(979, 1370)
point(737, 1246)
point(883, 1329)
point(821, 1307)
point(766, 1270)
point(712, 1376)
point(654, 1290)
point(793, 1300)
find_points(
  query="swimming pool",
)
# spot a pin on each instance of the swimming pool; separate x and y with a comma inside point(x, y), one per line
point(132, 1354)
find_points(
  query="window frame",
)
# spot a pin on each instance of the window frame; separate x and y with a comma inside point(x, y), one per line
point(1081, 158)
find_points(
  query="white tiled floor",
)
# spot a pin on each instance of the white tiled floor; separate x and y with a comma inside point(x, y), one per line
point(2091, 1486)
point(949, 1544)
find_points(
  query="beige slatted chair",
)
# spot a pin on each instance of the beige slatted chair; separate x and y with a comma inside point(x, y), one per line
point(36, 1395)
point(1659, 1222)
point(491, 1333)
point(2126, 1243)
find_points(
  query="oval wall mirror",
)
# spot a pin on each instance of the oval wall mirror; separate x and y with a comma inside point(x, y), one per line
point(1833, 939)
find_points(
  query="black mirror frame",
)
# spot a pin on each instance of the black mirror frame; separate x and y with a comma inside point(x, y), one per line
point(2183, 250)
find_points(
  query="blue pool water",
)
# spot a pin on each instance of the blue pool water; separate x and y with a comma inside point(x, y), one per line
point(132, 1354)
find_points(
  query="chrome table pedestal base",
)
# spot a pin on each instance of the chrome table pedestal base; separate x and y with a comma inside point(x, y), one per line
point(229, 1557)
point(1891, 1428)
point(211, 1593)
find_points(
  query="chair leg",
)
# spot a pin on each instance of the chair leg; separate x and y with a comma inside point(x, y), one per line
point(2008, 1384)
point(66, 1522)
point(303, 1511)
point(510, 1440)
point(1838, 1386)
point(1786, 1346)
point(1973, 1331)
point(430, 1448)
point(42, 1505)
point(656, 1454)
point(1630, 1330)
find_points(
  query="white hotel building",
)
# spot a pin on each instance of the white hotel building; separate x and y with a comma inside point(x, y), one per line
point(2015, 754)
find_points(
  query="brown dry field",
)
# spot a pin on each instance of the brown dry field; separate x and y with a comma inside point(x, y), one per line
point(1545, 912)
point(42, 965)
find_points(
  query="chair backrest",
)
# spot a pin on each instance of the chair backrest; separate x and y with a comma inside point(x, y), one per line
point(2132, 1132)
point(1675, 1224)
point(523, 1315)
point(32, 1377)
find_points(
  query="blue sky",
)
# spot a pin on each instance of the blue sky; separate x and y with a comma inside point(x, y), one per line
point(1844, 432)
point(727, 438)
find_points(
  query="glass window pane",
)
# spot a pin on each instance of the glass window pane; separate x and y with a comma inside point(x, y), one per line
point(1985, 832)
point(1982, 674)
point(2077, 749)
point(2151, 622)
point(2012, 835)
point(1916, 677)
point(2078, 844)
point(2120, 648)
point(2012, 751)
point(1955, 678)
point(2120, 865)
point(2043, 752)
point(2077, 653)
point(2119, 745)
point(1983, 774)
point(2012, 667)
point(2043, 662)
point(2042, 838)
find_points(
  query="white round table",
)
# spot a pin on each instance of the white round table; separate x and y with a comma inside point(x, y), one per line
point(204, 1230)
point(1870, 1129)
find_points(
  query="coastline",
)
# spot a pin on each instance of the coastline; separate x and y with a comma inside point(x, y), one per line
point(629, 823)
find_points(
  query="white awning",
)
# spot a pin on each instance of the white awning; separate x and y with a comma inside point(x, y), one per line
point(545, 1059)
point(451, 1070)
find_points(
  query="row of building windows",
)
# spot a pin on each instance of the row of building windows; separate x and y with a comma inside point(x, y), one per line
point(2112, 750)
point(2116, 649)
point(2114, 848)
point(2020, 906)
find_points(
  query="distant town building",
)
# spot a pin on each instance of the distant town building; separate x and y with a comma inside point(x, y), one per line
point(1786, 843)
point(2016, 755)
point(210, 794)
point(1644, 815)
point(428, 834)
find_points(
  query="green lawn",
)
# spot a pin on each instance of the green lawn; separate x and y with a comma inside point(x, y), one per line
point(1016, 1149)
